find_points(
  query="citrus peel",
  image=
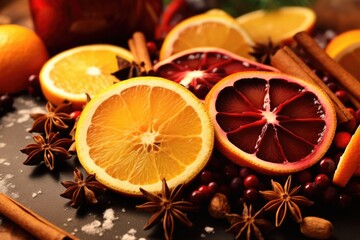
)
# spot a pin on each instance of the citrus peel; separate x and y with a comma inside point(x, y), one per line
point(142, 130)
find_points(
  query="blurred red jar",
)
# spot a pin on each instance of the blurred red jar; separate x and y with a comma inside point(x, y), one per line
point(67, 23)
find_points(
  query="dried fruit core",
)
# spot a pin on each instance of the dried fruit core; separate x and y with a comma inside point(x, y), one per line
point(276, 120)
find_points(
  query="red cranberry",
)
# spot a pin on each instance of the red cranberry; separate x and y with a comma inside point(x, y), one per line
point(322, 181)
point(236, 185)
point(342, 95)
point(206, 191)
point(244, 172)
point(342, 139)
point(206, 177)
point(251, 181)
point(310, 189)
point(351, 125)
point(196, 197)
point(250, 195)
point(152, 48)
point(34, 88)
point(327, 166)
point(332, 86)
point(213, 187)
point(351, 111)
point(75, 114)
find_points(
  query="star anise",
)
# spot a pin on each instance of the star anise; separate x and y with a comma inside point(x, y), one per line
point(248, 224)
point(263, 52)
point(54, 120)
point(127, 69)
point(82, 191)
point(284, 199)
point(167, 208)
point(48, 150)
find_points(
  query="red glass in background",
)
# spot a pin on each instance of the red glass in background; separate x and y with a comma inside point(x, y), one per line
point(67, 23)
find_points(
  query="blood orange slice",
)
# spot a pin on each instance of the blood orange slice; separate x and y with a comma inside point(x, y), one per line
point(199, 69)
point(271, 122)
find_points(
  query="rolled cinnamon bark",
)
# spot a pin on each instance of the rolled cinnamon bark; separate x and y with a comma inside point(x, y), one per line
point(30, 221)
point(288, 62)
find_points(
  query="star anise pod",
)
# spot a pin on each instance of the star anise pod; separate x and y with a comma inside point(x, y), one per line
point(248, 224)
point(82, 191)
point(167, 207)
point(263, 52)
point(283, 199)
point(54, 120)
point(48, 150)
point(127, 69)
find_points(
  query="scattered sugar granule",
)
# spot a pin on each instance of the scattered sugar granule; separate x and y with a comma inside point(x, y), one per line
point(92, 228)
point(130, 235)
point(6, 187)
point(35, 194)
point(123, 210)
point(202, 235)
point(98, 228)
point(132, 231)
point(69, 219)
point(127, 236)
point(209, 229)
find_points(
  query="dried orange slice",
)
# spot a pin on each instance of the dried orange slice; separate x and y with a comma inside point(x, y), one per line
point(349, 161)
point(271, 122)
point(142, 130)
point(213, 29)
point(345, 49)
point(72, 74)
point(279, 25)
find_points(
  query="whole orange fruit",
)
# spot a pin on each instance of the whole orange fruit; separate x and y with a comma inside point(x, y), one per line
point(22, 53)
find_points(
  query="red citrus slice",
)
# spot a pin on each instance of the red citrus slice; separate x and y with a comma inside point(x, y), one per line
point(271, 122)
point(199, 69)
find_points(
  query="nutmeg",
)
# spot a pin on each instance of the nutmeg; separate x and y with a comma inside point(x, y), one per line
point(316, 227)
point(219, 206)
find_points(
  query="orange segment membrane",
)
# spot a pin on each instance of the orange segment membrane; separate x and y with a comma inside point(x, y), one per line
point(276, 120)
point(151, 142)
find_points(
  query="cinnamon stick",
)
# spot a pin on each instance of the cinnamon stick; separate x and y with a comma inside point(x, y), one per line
point(30, 221)
point(138, 48)
point(133, 50)
point(288, 62)
point(317, 54)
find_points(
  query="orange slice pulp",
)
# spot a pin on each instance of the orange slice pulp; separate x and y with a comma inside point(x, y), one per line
point(212, 29)
point(142, 130)
point(72, 74)
point(271, 122)
point(279, 25)
point(345, 49)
